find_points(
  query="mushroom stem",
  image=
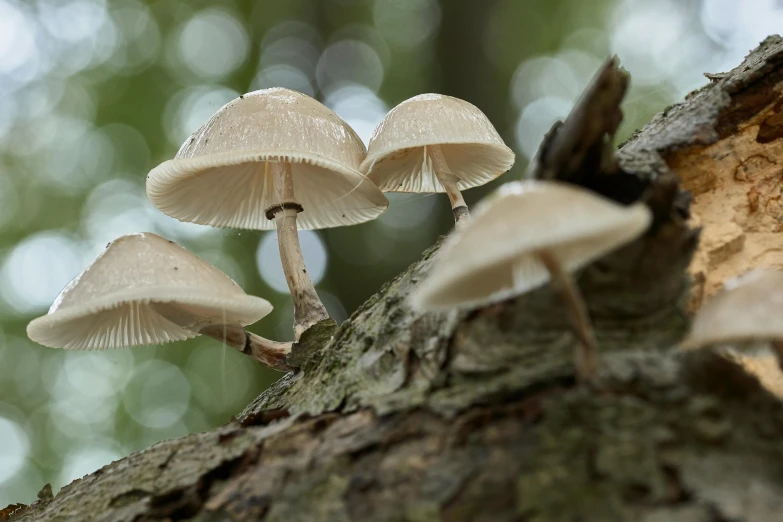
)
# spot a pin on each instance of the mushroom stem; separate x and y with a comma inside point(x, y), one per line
point(269, 353)
point(308, 308)
point(449, 182)
point(587, 354)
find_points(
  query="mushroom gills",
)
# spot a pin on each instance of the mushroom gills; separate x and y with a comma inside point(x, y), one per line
point(133, 323)
point(190, 317)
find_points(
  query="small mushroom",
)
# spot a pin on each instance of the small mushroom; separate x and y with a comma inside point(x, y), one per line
point(749, 310)
point(144, 289)
point(258, 162)
point(521, 237)
point(436, 143)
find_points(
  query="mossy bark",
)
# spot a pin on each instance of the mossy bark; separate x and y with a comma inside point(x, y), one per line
point(399, 416)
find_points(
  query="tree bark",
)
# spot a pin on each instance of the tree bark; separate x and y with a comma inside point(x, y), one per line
point(399, 416)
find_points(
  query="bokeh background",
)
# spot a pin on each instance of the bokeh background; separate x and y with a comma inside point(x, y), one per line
point(94, 93)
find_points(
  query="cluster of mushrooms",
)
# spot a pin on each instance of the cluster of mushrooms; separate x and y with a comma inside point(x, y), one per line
point(276, 158)
point(273, 158)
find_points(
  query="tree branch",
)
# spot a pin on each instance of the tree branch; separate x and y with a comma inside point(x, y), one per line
point(403, 416)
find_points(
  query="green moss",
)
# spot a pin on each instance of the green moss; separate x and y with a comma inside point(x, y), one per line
point(308, 352)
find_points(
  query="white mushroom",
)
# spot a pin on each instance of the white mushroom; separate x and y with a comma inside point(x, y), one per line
point(521, 237)
point(259, 161)
point(144, 289)
point(749, 310)
point(436, 143)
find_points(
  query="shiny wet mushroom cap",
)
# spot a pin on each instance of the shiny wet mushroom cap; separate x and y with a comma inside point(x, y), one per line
point(749, 309)
point(223, 175)
point(497, 256)
point(145, 289)
point(521, 237)
point(436, 143)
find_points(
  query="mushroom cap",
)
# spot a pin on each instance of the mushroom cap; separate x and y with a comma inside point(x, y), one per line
point(220, 175)
point(751, 309)
point(473, 149)
point(495, 256)
point(114, 302)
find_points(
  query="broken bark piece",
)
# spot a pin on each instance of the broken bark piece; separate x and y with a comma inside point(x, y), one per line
point(574, 150)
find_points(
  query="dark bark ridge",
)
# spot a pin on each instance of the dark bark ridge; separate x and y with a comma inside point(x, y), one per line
point(401, 416)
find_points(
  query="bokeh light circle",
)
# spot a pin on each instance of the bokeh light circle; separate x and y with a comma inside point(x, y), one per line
point(350, 61)
point(188, 109)
point(84, 461)
point(407, 24)
point(213, 43)
point(157, 395)
point(536, 119)
point(271, 268)
point(14, 446)
point(283, 76)
point(37, 269)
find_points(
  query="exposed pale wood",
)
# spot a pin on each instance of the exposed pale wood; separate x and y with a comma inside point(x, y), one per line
point(737, 184)
point(736, 178)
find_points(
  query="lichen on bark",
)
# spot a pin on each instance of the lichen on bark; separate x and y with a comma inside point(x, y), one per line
point(401, 416)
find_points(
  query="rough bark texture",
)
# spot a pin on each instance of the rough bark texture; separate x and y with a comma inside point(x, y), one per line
point(733, 167)
point(397, 416)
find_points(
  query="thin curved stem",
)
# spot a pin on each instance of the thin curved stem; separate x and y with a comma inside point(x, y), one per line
point(308, 308)
point(449, 182)
point(269, 353)
point(586, 356)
